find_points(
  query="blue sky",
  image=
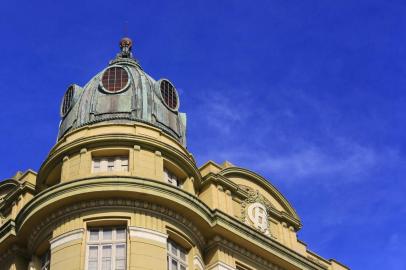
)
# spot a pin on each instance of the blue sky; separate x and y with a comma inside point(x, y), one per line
point(309, 94)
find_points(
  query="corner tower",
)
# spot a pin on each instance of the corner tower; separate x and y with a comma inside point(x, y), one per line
point(121, 115)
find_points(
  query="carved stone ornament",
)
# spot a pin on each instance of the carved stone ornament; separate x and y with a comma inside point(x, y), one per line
point(255, 211)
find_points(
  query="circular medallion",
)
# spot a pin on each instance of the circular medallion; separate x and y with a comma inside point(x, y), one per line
point(258, 216)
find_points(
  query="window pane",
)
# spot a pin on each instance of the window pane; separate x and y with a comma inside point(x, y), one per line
point(120, 234)
point(93, 258)
point(96, 165)
point(182, 267)
point(94, 235)
point(120, 257)
point(107, 234)
point(120, 264)
point(174, 265)
point(124, 164)
point(92, 265)
point(120, 251)
point(182, 255)
point(106, 258)
point(106, 253)
point(174, 250)
point(124, 161)
point(106, 264)
point(110, 165)
point(93, 251)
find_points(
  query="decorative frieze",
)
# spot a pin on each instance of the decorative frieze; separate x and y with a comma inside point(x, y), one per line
point(120, 203)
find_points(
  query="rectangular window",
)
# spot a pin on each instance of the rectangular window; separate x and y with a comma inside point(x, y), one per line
point(170, 178)
point(176, 257)
point(106, 248)
point(110, 164)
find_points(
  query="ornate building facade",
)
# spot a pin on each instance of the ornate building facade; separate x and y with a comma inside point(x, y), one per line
point(120, 190)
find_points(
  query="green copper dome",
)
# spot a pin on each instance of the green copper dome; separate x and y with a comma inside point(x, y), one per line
point(123, 93)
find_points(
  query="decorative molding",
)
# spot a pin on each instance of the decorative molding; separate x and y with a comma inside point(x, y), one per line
point(255, 199)
point(129, 139)
point(97, 204)
point(148, 234)
point(66, 237)
point(198, 262)
point(242, 251)
point(267, 185)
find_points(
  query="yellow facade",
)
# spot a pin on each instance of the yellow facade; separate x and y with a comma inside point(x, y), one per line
point(212, 220)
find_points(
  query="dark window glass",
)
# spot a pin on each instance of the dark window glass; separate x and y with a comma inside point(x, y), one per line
point(169, 94)
point(67, 100)
point(115, 79)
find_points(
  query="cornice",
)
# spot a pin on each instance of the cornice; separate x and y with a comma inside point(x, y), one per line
point(12, 196)
point(247, 233)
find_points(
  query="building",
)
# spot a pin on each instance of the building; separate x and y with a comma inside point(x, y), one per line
point(119, 190)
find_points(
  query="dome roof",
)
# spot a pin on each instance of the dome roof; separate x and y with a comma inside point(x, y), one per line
point(123, 93)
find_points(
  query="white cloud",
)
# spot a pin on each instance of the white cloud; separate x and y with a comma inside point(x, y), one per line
point(344, 160)
point(221, 111)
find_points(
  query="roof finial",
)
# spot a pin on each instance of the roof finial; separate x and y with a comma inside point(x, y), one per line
point(126, 46)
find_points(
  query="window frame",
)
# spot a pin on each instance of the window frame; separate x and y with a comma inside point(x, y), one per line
point(108, 73)
point(109, 164)
point(176, 257)
point(100, 243)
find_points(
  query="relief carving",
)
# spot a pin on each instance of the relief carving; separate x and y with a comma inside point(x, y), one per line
point(255, 210)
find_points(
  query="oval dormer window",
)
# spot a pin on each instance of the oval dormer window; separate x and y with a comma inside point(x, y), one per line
point(67, 100)
point(169, 94)
point(114, 79)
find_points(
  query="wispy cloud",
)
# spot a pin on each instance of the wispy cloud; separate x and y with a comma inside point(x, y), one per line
point(266, 145)
point(353, 164)
point(222, 111)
